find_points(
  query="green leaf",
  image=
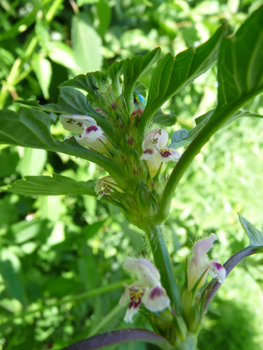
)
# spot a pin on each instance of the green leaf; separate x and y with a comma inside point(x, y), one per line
point(51, 186)
point(163, 119)
point(10, 268)
point(204, 119)
point(63, 55)
point(104, 15)
point(255, 236)
point(51, 107)
point(173, 73)
point(32, 162)
point(72, 101)
point(43, 70)
point(30, 128)
point(86, 44)
point(132, 69)
point(240, 70)
point(180, 138)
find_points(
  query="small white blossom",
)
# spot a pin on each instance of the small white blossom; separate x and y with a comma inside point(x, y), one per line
point(155, 151)
point(147, 290)
point(200, 263)
point(91, 135)
point(76, 123)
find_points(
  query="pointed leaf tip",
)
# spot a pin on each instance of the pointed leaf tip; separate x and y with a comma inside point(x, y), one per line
point(255, 236)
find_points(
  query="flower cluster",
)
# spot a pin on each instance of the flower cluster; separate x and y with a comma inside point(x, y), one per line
point(90, 134)
point(147, 290)
point(155, 151)
point(201, 265)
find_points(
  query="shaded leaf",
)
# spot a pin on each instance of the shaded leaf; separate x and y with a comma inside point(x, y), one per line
point(164, 119)
point(240, 70)
point(133, 68)
point(10, 268)
point(179, 138)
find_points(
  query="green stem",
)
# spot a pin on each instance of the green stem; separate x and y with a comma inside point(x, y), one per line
point(218, 119)
point(163, 264)
point(106, 319)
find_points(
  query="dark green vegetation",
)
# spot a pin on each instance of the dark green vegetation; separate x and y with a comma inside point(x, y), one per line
point(61, 256)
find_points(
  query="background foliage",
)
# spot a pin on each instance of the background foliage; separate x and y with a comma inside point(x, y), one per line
point(61, 257)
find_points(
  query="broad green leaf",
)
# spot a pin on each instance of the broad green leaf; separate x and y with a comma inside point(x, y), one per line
point(10, 268)
point(163, 119)
point(24, 231)
point(30, 128)
point(173, 73)
point(32, 162)
point(51, 186)
point(43, 70)
point(104, 15)
point(255, 236)
point(240, 69)
point(132, 69)
point(63, 54)
point(86, 44)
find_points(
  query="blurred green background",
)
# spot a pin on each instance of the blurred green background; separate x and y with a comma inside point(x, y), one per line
point(61, 257)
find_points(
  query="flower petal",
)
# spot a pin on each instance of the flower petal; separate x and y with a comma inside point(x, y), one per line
point(132, 309)
point(144, 271)
point(157, 138)
point(217, 270)
point(148, 154)
point(202, 247)
point(76, 123)
point(156, 299)
point(167, 154)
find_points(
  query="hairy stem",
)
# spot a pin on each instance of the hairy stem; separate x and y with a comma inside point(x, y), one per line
point(163, 264)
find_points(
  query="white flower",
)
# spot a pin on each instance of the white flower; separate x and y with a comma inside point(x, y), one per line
point(91, 136)
point(156, 152)
point(200, 263)
point(76, 123)
point(147, 290)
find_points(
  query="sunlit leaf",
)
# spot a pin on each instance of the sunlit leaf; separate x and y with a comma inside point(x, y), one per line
point(255, 236)
point(86, 44)
point(51, 186)
point(173, 73)
point(43, 70)
point(30, 128)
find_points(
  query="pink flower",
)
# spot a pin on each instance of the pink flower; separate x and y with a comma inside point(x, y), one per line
point(200, 263)
point(147, 290)
point(155, 151)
